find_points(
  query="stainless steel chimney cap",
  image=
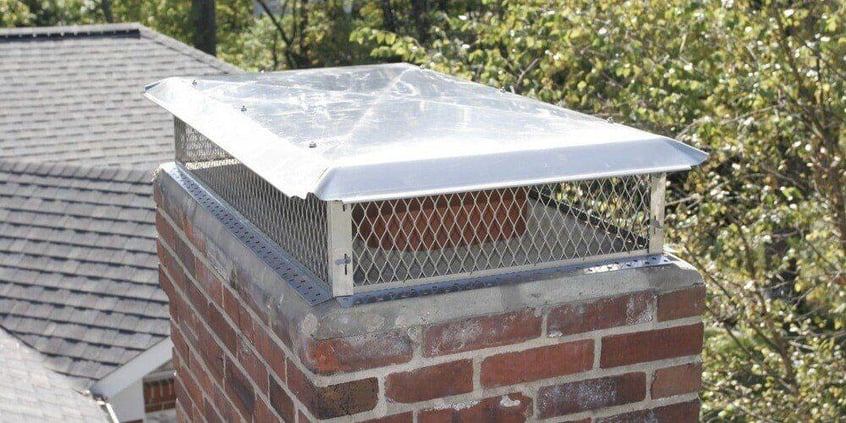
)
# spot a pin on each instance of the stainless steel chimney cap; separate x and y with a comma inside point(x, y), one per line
point(379, 132)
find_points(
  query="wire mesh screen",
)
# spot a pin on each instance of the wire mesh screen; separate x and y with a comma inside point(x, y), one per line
point(516, 228)
point(297, 225)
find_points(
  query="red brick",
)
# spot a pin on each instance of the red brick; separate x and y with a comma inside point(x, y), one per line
point(211, 415)
point(271, 352)
point(222, 329)
point(197, 299)
point(658, 344)
point(685, 412)
point(246, 323)
point(239, 389)
point(683, 303)
point(356, 352)
point(189, 333)
point(165, 283)
point(212, 285)
point(254, 367)
point(396, 418)
point(537, 363)
point(281, 402)
point(191, 387)
point(262, 412)
point(180, 346)
point(197, 413)
point(202, 374)
point(231, 305)
point(159, 395)
point(211, 353)
point(431, 382)
point(226, 408)
point(184, 253)
point(480, 332)
point(182, 396)
point(342, 399)
point(164, 230)
point(182, 416)
point(302, 418)
point(174, 312)
point(511, 408)
point(172, 267)
point(176, 361)
point(257, 308)
point(586, 316)
point(574, 397)
point(677, 380)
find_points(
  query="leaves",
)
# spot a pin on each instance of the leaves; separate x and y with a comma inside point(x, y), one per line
point(760, 86)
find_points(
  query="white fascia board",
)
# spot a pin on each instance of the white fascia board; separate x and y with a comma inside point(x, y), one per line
point(134, 370)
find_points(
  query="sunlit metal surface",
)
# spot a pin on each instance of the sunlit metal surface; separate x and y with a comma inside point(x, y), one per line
point(382, 132)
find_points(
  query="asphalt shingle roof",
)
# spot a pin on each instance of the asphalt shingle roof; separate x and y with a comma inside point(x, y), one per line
point(73, 94)
point(30, 392)
point(78, 278)
point(78, 144)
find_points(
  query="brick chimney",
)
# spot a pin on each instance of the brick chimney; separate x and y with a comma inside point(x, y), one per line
point(312, 279)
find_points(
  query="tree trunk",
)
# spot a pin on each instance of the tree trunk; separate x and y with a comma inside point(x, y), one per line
point(389, 22)
point(106, 7)
point(420, 10)
point(202, 18)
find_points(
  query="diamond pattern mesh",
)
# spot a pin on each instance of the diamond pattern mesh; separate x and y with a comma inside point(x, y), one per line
point(435, 237)
point(297, 225)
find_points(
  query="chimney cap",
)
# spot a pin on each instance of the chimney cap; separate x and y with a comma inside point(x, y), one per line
point(379, 132)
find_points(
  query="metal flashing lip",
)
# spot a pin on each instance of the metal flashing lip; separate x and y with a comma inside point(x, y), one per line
point(378, 132)
point(300, 279)
point(504, 279)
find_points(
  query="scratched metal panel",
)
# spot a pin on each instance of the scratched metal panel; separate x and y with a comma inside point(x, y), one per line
point(381, 132)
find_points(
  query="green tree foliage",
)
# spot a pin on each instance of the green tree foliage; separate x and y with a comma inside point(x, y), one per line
point(14, 13)
point(759, 84)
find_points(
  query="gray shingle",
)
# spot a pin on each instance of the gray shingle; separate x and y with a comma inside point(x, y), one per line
point(78, 265)
point(29, 391)
point(60, 105)
point(81, 288)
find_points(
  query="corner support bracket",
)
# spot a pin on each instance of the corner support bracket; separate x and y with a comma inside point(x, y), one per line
point(657, 190)
point(339, 222)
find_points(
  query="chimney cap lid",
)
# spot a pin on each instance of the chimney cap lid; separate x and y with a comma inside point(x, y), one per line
point(377, 132)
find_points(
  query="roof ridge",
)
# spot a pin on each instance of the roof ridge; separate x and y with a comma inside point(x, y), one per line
point(80, 171)
point(186, 49)
point(67, 31)
point(125, 28)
